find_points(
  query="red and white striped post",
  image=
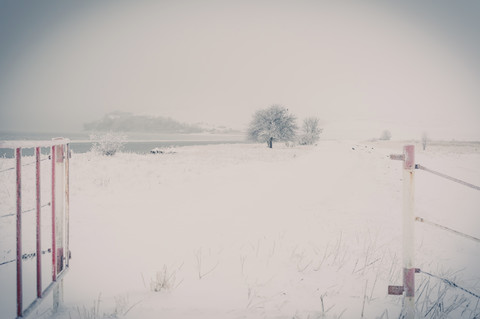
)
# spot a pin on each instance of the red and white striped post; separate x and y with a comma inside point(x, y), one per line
point(408, 230)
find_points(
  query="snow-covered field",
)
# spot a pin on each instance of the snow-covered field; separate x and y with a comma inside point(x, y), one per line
point(242, 231)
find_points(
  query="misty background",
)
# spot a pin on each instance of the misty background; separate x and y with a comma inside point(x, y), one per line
point(361, 67)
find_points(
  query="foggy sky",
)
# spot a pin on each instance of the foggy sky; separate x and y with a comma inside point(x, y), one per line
point(407, 67)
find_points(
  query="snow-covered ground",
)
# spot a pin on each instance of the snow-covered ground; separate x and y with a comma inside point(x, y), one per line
point(243, 231)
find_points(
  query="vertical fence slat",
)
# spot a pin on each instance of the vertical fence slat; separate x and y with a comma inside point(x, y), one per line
point(39, 218)
point(54, 245)
point(67, 205)
point(18, 155)
point(59, 206)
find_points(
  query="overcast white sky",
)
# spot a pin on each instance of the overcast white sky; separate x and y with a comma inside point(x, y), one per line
point(360, 67)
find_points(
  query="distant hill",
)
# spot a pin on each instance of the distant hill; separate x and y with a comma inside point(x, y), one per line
point(129, 122)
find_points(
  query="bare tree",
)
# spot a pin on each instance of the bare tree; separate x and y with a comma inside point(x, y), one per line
point(311, 131)
point(424, 140)
point(386, 135)
point(272, 124)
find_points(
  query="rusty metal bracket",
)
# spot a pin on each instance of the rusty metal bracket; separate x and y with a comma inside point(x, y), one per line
point(397, 157)
point(399, 290)
point(395, 290)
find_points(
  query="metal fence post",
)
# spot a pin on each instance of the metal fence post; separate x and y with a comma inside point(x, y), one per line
point(18, 155)
point(67, 205)
point(408, 287)
point(58, 220)
point(54, 246)
point(60, 205)
point(408, 230)
point(39, 218)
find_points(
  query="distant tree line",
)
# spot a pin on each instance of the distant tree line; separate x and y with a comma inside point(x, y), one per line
point(128, 122)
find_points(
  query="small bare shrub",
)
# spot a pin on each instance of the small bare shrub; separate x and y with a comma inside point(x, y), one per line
point(201, 271)
point(89, 313)
point(108, 144)
point(163, 281)
point(310, 131)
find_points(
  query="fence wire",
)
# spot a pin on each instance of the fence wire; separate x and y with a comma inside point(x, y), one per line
point(453, 179)
point(26, 164)
point(25, 211)
point(450, 283)
point(456, 232)
point(27, 256)
point(7, 262)
point(7, 169)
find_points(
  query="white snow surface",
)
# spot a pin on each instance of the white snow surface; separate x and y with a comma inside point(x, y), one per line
point(243, 231)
